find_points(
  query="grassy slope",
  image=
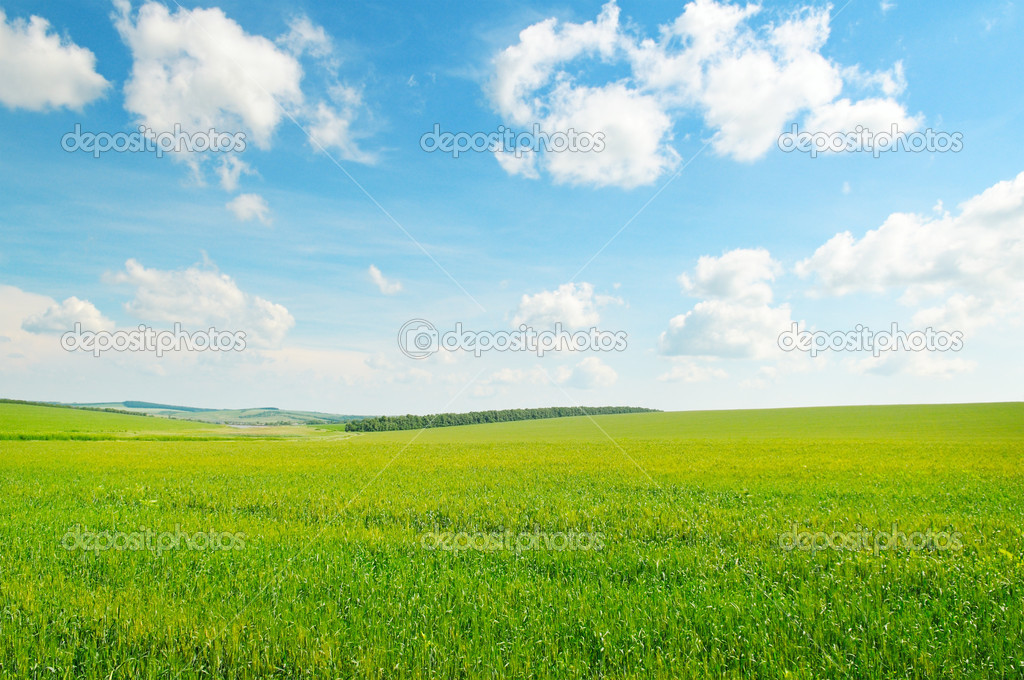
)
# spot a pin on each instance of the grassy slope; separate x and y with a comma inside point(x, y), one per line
point(43, 422)
point(930, 422)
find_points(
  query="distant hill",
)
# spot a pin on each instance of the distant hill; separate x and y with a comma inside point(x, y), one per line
point(247, 416)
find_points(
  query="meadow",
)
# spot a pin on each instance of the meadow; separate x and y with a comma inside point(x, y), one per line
point(739, 544)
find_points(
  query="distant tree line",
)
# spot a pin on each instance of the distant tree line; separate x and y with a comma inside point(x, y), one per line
point(411, 422)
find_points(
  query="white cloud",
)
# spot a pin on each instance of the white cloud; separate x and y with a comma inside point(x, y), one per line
point(521, 69)
point(876, 114)
point(385, 286)
point(250, 207)
point(634, 124)
point(525, 163)
point(30, 349)
point(721, 328)
point(958, 272)
point(200, 69)
point(571, 305)
point(891, 83)
point(231, 169)
point(736, 320)
point(306, 37)
point(744, 81)
point(741, 275)
point(966, 267)
point(62, 317)
point(42, 71)
point(202, 297)
point(589, 374)
point(331, 128)
point(634, 127)
point(757, 83)
point(690, 371)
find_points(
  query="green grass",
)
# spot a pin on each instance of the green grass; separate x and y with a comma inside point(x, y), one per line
point(942, 422)
point(690, 581)
point(21, 421)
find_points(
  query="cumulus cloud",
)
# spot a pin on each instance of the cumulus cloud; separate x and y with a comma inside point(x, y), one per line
point(724, 328)
point(62, 317)
point(744, 81)
point(201, 70)
point(737, 319)
point(691, 371)
point(42, 70)
point(523, 68)
point(892, 82)
point(589, 374)
point(524, 163)
point(574, 306)
point(230, 170)
point(330, 127)
point(634, 124)
point(202, 297)
point(250, 207)
point(306, 37)
point(634, 128)
point(741, 275)
point(385, 285)
point(874, 114)
point(962, 271)
point(25, 343)
point(956, 271)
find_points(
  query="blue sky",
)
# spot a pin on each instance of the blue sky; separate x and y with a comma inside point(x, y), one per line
point(691, 231)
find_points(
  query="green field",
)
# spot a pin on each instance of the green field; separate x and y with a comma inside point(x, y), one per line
point(22, 421)
point(626, 546)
